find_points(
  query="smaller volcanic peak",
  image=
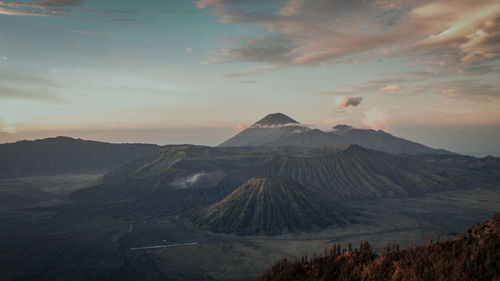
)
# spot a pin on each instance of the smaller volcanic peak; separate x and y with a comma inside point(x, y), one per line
point(342, 127)
point(271, 206)
point(275, 119)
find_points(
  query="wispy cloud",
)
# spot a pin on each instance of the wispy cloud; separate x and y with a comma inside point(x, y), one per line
point(371, 86)
point(303, 126)
point(85, 32)
point(316, 32)
point(62, 8)
point(28, 92)
point(472, 88)
point(113, 11)
point(252, 71)
point(37, 8)
point(116, 20)
point(468, 89)
point(391, 88)
point(23, 86)
point(469, 28)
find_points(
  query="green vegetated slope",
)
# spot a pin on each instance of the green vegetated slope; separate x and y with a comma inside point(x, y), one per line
point(270, 205)
point(63, 155)
point(471, 256)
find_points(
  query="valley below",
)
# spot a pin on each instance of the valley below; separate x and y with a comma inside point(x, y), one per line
point(53, 238)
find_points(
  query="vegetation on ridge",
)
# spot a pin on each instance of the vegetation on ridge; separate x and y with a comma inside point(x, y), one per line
point(474, 255)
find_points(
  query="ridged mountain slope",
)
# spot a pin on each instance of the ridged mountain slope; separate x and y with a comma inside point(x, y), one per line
point(270, 205)
point(181, 177)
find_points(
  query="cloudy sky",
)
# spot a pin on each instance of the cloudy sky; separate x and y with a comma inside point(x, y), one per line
point(198, 71)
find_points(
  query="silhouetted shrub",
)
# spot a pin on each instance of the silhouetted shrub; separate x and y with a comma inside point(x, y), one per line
point(474, 255)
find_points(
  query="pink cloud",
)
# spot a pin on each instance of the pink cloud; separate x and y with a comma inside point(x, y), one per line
point(374, 119)
point(317, 32)
point(42, 8)
point(206, 3)
point(292, 7)
point(239, 127)
point(470, 31)
point(391, 88)
point(344, 101)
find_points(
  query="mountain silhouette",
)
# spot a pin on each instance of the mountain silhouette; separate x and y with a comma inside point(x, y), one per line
point(64, 155)
point(280, 130)
point(275, 119)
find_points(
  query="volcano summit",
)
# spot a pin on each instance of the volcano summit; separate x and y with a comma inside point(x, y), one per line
point(277, 129)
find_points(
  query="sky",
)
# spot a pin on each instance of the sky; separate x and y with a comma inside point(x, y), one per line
point(198, 72)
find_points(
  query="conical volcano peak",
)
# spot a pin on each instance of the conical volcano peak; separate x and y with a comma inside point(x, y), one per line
point(275, 119)
point(277, 129)
point(271, 206)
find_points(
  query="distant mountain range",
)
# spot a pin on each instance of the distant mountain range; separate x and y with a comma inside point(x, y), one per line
point(272, 206)
point(63, 155)
point(179, 178)
point(280, 130)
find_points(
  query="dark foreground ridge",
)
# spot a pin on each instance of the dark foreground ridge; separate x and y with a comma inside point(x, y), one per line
point(271, 206)
point(471, 256)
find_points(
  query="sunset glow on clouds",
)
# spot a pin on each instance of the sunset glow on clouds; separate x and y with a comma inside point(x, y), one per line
point(374, 119)
point(391, 88)
point(308, 31)
point(211, 64)
point(343, 101)
point(239, 127)
point(40, 8)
